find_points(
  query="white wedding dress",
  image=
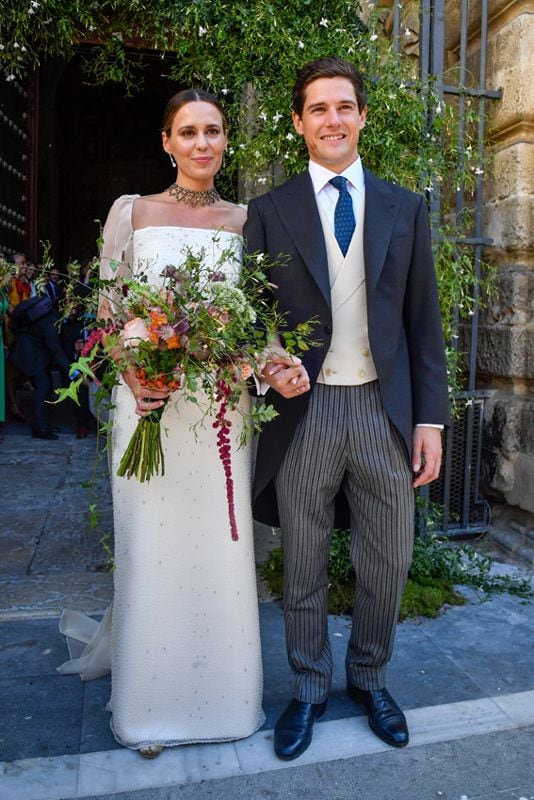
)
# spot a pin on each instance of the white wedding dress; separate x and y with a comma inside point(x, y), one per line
point(185, 643)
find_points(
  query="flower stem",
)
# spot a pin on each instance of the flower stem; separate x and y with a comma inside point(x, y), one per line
point(144, 456)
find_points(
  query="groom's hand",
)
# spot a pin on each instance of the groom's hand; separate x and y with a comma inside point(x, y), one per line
point(285, 374)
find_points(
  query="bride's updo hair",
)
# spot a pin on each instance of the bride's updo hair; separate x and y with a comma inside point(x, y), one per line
point(189, 96)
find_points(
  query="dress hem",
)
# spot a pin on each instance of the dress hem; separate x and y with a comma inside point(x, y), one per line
point(178, 742)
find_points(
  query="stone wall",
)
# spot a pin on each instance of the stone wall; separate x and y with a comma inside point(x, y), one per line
point(506, 339)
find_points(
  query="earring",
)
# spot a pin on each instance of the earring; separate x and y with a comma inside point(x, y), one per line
point(173, 162)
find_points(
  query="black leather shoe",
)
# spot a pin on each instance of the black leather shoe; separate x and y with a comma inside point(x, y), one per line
point(37, 434)
point(385, 717)
point(53, 429)
point(293, 731)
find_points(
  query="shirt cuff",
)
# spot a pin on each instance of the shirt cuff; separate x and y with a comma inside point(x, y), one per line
point(430, 425)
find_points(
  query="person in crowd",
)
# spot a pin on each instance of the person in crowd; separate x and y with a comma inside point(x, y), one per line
point(360, 416)
point(19, 289)
point(36, 349)
point(184, 631)
point(54, 288)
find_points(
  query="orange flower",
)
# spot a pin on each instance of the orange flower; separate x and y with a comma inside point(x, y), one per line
point(173, 343)
point(158, 318)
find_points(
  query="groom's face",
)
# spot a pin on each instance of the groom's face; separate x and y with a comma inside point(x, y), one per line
point(331, 122)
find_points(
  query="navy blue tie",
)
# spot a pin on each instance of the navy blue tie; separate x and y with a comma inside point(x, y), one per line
point(344, 222)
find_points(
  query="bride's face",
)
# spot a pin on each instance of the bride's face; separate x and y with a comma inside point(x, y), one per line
point(197, 142)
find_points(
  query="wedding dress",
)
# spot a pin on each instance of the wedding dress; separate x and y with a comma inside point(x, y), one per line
point(185, 644)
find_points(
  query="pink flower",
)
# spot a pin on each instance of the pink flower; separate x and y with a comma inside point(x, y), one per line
point(245, 371)
point(134, 331)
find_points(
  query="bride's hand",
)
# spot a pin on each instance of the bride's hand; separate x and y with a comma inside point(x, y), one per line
point(146, 400)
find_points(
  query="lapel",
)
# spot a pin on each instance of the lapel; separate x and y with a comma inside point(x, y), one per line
point(381, 209)
point(296, 206)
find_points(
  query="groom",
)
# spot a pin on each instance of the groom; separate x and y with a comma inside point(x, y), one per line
point(360, 416)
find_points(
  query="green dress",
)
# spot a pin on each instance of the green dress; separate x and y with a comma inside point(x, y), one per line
point(3, 308)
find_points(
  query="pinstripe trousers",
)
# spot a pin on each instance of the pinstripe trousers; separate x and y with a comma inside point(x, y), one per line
point(344, 441)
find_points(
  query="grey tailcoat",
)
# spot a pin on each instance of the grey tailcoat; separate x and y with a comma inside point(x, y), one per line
point(404, 321)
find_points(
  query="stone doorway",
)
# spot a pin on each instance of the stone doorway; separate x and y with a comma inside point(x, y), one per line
point(94, 144)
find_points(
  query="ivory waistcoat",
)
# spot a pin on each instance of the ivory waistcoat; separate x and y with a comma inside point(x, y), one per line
point(349, 360)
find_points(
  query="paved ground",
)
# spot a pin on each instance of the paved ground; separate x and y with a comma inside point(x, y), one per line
point(465, 679)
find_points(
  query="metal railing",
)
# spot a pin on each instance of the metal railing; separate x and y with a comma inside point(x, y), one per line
point(457, 491)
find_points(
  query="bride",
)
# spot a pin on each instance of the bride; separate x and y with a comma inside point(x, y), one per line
point(185, 645)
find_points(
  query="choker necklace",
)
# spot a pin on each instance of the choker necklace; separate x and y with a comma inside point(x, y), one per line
point(194, 198)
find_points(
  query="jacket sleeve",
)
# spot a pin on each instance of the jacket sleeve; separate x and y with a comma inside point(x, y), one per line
point(422, 319)
point(53, 343)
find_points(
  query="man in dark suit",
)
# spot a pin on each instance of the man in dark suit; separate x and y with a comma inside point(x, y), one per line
point(360, 417)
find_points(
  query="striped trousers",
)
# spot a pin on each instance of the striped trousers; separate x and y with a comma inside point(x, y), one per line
point(344, 441)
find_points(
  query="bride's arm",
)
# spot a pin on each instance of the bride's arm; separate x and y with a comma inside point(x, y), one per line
point(115, 262)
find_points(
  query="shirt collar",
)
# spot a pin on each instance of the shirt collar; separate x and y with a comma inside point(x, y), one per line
point(320, 175)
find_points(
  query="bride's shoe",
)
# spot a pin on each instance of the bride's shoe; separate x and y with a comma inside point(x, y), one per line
point(151, 751)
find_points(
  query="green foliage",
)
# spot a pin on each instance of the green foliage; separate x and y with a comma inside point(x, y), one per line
point(437, 567)
point(427, 598)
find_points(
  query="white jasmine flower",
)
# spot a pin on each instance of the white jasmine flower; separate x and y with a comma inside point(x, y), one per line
point(225, 91)
point(2, 47)
point(231, 151)
point(407, 32)
point(263, 116)
point(301, 45)
point(373, 37)
point(286, 155)
point(290, 136)
point(260, 256)
point(438, 108)
point(10, 78)
point(262, 181)
point(22, 49)
point(276, 118)
point(202, 31)
point(209, 76)
point(402, 86)
point(15, 45)
point(479, 171)
point(324, 22)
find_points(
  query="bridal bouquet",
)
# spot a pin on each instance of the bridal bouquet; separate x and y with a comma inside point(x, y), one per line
point(199, 332)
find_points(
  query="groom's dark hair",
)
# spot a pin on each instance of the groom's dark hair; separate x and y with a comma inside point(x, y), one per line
point(327, 67)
